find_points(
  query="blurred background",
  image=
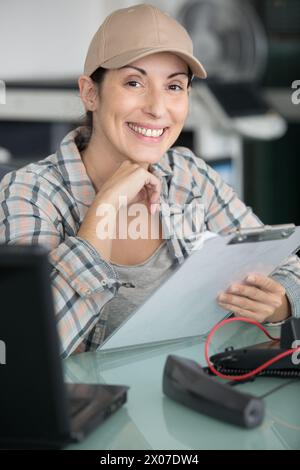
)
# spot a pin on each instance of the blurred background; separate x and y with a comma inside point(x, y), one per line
point(244, 119)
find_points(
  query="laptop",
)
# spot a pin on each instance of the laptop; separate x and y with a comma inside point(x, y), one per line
point(37, 409)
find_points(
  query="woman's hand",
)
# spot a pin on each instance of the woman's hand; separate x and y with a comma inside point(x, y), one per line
point(130, 184)
point(134, 182)
point(258, 297)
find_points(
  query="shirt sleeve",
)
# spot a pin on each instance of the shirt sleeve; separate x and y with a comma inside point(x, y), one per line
point(82, 281)
point(225, 212)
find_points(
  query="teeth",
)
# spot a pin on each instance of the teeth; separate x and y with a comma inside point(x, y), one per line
point(146, 132)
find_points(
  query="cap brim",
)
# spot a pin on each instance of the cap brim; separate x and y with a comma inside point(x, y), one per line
point(130, 56)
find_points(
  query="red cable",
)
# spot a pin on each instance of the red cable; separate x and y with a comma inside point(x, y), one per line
point(253, 372)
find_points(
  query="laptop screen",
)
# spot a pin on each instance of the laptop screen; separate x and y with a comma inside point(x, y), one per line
point(31, 377)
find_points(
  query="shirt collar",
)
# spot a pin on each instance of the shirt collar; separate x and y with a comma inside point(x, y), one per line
point(161, 168)
point(74, 172)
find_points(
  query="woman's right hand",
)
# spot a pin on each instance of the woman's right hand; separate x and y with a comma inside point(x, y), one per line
point(134, 182)
point(130, 180)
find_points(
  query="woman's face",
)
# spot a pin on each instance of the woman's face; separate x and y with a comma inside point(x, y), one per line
point(142, 108)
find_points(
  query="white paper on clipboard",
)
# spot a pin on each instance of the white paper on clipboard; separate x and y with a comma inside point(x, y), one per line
point(185, 304)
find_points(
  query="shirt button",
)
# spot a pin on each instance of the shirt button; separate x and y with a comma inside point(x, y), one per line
point(88, 291)
point(103, 283)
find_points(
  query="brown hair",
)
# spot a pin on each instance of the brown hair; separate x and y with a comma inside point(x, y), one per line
point(82, 139)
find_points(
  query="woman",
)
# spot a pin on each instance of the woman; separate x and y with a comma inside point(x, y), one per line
point(135, 89)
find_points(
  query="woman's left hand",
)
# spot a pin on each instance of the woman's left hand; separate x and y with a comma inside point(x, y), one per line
point(258, 297)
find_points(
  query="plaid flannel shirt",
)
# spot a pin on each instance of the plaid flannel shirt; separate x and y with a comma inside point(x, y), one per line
point(46, 202)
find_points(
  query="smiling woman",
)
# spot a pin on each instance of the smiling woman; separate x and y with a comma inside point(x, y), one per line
point(133, 81)
point(145, 102)
point(117, 205)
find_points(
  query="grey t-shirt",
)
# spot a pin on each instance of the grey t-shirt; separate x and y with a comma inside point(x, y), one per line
point(146, 277)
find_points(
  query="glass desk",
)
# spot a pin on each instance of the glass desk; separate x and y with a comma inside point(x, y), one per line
point(150, 420)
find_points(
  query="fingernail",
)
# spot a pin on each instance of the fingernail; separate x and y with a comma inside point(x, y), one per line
point(251, 278)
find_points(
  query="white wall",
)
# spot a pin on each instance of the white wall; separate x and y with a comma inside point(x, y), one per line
point(48, 39)
point(45, 39)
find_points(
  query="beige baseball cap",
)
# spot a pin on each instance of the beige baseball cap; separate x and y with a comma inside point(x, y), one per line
point(131, 33)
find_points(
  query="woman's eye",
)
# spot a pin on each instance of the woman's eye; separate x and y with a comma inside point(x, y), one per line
point(176, 87)
point(133, 84)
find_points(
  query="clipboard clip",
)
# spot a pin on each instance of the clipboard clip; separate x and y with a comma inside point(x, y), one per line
point(262, 233)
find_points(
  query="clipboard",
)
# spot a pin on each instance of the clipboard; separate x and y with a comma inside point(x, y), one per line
point(185, 306)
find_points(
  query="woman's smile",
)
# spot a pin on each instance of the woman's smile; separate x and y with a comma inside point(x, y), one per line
point(147, 134)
